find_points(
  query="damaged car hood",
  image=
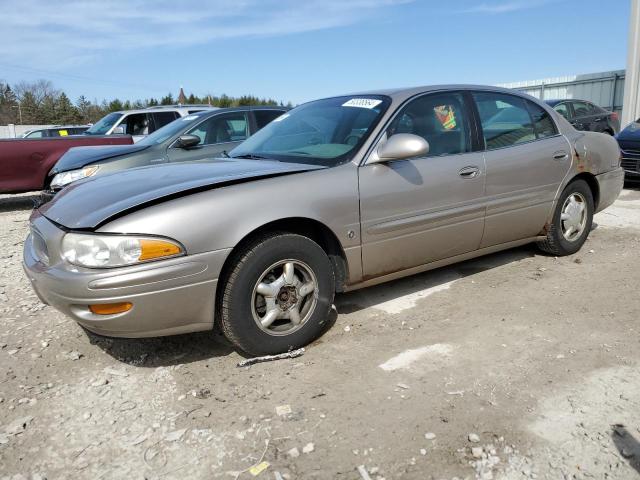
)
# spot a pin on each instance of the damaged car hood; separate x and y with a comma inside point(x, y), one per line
point(91, 202)
point(79, 157)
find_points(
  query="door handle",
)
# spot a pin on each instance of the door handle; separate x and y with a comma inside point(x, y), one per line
point(560, 155)
point(469, 172)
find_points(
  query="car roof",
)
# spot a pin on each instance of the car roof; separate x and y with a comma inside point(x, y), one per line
point(402, 94)
point(162, 108)
point(243, 108)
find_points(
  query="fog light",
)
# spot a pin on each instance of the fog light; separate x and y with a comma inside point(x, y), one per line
point(110, 308)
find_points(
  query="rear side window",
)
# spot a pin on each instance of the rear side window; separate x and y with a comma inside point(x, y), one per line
point(264, 117)
point(438, 118)
point(160, 119)
point(542, 122)
point(504, 118)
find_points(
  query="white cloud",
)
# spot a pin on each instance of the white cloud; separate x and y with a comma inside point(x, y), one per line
point(44, 33)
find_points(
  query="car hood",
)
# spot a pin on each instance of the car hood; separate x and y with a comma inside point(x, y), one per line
point(91, 202)
point(632, 133)
point(78, 157)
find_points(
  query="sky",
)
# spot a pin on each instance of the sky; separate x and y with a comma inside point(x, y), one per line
point(299, 50)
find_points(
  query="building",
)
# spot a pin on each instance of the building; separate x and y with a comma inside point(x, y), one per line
point(605, 89)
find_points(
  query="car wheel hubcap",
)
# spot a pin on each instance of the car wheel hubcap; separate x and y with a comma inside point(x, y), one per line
point(284, 297)
point(573, 218)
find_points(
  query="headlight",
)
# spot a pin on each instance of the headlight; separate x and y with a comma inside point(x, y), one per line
point(106, 251)
point(65, 178)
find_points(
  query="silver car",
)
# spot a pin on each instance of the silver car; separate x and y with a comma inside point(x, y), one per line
point(335, 195)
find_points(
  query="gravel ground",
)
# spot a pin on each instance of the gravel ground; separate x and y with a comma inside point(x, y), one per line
point(513, 366)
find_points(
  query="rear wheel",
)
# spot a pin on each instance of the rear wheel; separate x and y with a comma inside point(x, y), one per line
point(278, 295)
point(572, 220)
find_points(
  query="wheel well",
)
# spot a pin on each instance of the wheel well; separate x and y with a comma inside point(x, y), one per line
point(316, 231)
point(593, 185)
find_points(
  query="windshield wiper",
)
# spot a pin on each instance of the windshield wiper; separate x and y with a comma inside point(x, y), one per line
point(224, 154)
point(251, 156)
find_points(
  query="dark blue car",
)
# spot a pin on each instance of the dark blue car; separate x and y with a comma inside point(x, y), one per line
point(629, 141)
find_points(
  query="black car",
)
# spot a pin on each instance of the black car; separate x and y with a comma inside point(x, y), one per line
point(629, 141)
point(58, 131)
point(585, 115)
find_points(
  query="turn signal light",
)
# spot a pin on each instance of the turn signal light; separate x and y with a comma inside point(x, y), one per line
point(110, 308)
point(151, 249)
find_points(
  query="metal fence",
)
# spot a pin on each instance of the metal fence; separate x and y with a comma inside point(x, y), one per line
point(605, 89)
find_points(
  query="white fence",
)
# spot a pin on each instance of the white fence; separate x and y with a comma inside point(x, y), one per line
point(16, 131)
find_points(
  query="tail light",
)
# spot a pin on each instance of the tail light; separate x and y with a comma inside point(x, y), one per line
point(614, 116)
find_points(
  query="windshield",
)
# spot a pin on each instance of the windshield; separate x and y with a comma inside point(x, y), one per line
point(324, 132)
point(102, 126)
point(171, 129)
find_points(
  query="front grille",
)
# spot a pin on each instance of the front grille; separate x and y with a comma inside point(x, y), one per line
point(630, 160)
point(40, 247)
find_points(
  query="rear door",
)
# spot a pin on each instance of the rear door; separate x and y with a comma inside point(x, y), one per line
point(526, 160)
point(218, 134)
point(424, 209)
point(581, 118)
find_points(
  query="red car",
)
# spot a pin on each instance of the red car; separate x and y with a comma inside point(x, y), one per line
point(25, 162)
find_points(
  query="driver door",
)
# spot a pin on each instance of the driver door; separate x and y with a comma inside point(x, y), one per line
point(420, 210)
point(217, 134)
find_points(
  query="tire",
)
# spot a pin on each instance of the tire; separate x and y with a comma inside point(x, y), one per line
point(243, 308)
point(556, 242)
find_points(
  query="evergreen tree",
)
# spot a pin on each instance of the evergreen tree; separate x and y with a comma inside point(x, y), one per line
point(30, 109)
point(115, 105)
point(83, 107)
point(167, 100)
point(47, 114)
point(66, 112)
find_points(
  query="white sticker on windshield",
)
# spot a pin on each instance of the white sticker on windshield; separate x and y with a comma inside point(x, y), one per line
point(189, 118)
point(362, 103)
point(281, 117)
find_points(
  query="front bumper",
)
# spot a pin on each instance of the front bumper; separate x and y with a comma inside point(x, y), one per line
point(610, 185)
point(169, 296)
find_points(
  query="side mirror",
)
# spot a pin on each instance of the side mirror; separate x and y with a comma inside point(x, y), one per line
point(400, 147)
point(119, 130)
point(187, 141)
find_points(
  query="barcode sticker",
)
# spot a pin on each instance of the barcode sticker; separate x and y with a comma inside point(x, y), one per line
point(362, 103)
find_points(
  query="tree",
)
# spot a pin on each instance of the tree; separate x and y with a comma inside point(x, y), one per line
point(30, 109)
point(9, 107)
point(66, 112)
point(115, 105)
point(167, 100)
point(83, 106)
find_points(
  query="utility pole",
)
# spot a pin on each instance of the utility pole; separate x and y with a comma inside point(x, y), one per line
point(631, 109)
point(19, 112)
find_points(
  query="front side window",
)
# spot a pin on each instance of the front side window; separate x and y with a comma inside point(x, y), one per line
point(562, 109)
point(324, 132)
point(136, 124)
point(229, 127)
point(504, 118)
point(542, 122)
point(36, 134)
point(438, 118)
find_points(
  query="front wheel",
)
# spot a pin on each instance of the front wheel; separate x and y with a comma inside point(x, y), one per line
point(278, 295)
point(572, 220)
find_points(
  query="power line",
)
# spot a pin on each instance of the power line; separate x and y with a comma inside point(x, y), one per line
point(81, 78)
